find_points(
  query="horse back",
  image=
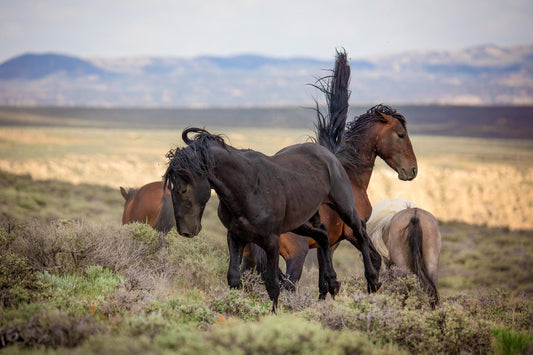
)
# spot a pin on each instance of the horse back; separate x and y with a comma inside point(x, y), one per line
point(414, 243)
point(146, 204)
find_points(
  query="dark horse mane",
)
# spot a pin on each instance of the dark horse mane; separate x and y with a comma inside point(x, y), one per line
point(192, 159)
point(355, 133)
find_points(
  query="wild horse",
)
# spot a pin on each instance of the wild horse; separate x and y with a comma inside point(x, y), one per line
point(381, 131)
point(408, 237)
point(150, 204)
point(261, 197)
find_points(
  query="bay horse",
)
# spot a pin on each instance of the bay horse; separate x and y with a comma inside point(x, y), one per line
point(381, 131)
point(408, 237)
point(150, 204)
point(261, 197)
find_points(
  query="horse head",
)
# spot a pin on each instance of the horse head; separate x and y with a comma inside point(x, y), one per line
point(394, 146)
point(187, 179)
point(189, 197)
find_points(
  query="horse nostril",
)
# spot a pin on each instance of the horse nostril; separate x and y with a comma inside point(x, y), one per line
point(415, 171)
point(186, 234)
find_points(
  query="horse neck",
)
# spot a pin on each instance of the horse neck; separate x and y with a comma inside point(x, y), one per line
point(358, 157)
point(228, 176)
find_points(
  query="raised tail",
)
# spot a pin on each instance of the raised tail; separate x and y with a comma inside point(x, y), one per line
point(414, 238)
point(330, 126)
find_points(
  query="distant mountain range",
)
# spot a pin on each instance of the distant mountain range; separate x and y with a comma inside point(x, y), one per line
point(481, 75)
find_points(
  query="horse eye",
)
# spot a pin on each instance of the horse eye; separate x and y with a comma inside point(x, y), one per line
point(183, 190)
point(401, 135)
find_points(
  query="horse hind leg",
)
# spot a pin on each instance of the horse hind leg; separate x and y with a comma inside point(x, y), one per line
point(321, 237)
point(371, 257)
point(293, 248)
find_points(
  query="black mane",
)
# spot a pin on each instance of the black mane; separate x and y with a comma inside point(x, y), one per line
point(355, 132)
point(192, 160)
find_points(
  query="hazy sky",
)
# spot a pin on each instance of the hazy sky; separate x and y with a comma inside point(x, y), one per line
point(188, 28)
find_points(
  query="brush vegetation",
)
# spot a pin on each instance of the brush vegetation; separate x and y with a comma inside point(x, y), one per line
point(83, 284)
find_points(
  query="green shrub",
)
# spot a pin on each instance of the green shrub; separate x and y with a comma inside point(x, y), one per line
point(236, 303)
point(510, 342)
point(283, 334)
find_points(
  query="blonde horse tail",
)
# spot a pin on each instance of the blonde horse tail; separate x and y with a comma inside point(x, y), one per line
point(414, 237)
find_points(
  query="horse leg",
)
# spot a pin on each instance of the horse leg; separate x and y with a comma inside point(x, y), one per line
point(248, 261)
point(235, 246)
point(321, 237)
point(293, 248)
point(322, 283)
point(271, 275)
point(371, 258)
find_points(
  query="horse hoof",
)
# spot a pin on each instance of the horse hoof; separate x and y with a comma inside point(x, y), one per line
point(322, 296)
point(335, 288)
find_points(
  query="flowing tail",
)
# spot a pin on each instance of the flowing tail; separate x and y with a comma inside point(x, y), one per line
point(330, 127)
point(414, 238)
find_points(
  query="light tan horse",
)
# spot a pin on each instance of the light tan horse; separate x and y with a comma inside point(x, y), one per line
point(408, 237)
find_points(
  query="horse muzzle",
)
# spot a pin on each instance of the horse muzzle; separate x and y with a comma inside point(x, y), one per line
point(190, 233)
point(407, 174)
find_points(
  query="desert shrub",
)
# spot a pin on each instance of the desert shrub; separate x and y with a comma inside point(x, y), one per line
point(508, 341)
point(498, 307)
point(401, 315)
point(18, 280)
point(283, 335)
point(236, 303)
point(199, 262)
point(51, 329)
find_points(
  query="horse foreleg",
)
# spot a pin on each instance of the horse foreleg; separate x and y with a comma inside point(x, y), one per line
point(271, 274)
point(235, 246)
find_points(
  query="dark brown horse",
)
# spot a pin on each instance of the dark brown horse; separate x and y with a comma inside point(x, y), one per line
point(262, 197)
point(381, 131)
point(151, 204)
point(408, 237)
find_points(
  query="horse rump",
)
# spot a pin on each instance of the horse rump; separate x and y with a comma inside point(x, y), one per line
point(415, 236)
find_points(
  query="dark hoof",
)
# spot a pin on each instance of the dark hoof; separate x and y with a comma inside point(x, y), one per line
point(335, 288)
point(236, 285)
point(322, 296)
point(373, 288)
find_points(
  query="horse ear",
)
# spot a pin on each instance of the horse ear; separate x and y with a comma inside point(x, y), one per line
point(124, 193)
point(386, 118)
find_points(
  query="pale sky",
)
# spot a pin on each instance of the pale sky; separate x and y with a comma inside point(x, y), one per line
point(311, 28)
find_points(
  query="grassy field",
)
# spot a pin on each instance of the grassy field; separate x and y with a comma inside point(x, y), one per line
point(73, 280)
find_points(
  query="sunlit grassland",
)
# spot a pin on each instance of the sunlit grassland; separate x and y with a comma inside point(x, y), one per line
point(480, 181)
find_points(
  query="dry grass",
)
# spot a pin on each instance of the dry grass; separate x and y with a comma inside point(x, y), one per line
point(479, 181)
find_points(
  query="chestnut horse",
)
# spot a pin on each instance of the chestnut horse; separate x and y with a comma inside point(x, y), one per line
point(381, 131)
point(408, 237)
point(150, 204)
point(261, 197)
